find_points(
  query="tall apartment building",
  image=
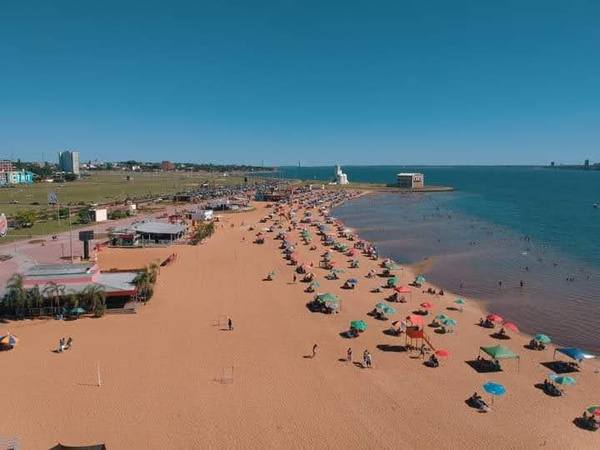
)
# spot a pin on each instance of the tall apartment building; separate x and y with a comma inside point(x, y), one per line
point(68, 162)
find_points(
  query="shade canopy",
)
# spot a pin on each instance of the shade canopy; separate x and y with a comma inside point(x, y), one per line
point(499, 352)
point(575, 353)
point(402, 290)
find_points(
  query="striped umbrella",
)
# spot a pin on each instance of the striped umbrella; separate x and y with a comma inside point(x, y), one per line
point(9, 339)
point(594, 409)
point(563, 380)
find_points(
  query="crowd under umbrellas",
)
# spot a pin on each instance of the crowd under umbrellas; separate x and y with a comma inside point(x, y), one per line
point(413, 326)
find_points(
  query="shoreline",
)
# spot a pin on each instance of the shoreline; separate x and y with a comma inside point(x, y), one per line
point(165, 367)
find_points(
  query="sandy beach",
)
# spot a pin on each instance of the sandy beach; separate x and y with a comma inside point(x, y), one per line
point(173, 376)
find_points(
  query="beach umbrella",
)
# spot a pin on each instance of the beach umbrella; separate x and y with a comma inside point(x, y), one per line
point(389, 310)
point(542, 338)
point(460, 301)
point(355, 261)
point(358, 325)
point(392, 266)
point(449, 322)
point(575, 353)
point(426, 305)
point(420, 278)
point(352, 281)
point(511, 326)
point(402, 290)
point(594, 409)
point(338, 271)
point(441, 317)
point(315, 284)
point(563, 380)
point(442, 353)
point(494, 318)
point(352, 252)
point(494, 389)
point(9, 339)
point(328, 297)
point(392, 281)
point(77, 310)
point(380, 305)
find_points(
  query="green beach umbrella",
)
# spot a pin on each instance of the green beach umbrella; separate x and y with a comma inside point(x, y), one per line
point(389, 310)
point(442, 317)
point(315, 284)
point(460, 301)
point(542, 338)
point(380, 305)
point(393, 281)
point(563, 380)
point(358, 325)
point(328, 297)
point(392, 266)
point(449, 322)
point(420, 278)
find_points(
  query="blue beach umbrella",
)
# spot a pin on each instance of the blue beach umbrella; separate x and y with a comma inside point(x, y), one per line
point(449, 322)
point(575, 353)
point(563, 380)
point(494, 389)
point(353, 281)
point(542, 338)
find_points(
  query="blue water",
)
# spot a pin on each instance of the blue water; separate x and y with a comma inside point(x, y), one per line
point(502, 224)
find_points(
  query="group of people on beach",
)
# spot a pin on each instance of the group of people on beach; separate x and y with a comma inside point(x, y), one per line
point(367, 358)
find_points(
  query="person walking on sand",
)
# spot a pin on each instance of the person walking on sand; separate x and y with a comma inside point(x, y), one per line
point(365, 358)
point(294, 278)
point(368, 359)
point(349, 355)
point(314, 351)
point(230, 324)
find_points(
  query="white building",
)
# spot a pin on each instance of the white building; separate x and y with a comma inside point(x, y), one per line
point(340, 177)
point(68, 162)
point(410, 180)
point(99, 215)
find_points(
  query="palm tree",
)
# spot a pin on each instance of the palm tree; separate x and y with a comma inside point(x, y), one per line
point(35, 296)
point(56, 291)
point(16, 295)
point(94, 297)
point(142, 282)
point(152, 273)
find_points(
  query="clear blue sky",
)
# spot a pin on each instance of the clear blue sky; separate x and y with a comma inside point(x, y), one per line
point(354, 82)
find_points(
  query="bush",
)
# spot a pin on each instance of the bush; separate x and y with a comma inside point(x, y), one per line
point(25, 218)
point(70, 177)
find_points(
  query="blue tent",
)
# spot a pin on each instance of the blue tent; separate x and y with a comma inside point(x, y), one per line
point(574, 353)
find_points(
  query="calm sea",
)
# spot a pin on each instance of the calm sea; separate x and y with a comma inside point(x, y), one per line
point(502, 224)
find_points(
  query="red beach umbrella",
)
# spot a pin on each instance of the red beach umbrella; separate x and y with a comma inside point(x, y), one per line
point(443, 353)
point(426, 305)
point(402, 290)
point(494, 318)
point(511, 326)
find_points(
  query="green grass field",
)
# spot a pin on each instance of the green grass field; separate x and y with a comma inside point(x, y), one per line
point(100, 188)
point(107, 187)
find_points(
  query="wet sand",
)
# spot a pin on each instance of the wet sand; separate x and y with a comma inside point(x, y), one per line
point(162, 369)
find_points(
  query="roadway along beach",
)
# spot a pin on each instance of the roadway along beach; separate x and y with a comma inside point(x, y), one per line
point(162, 369)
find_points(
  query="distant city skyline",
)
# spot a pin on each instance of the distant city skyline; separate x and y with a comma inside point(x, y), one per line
point(320, 82)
